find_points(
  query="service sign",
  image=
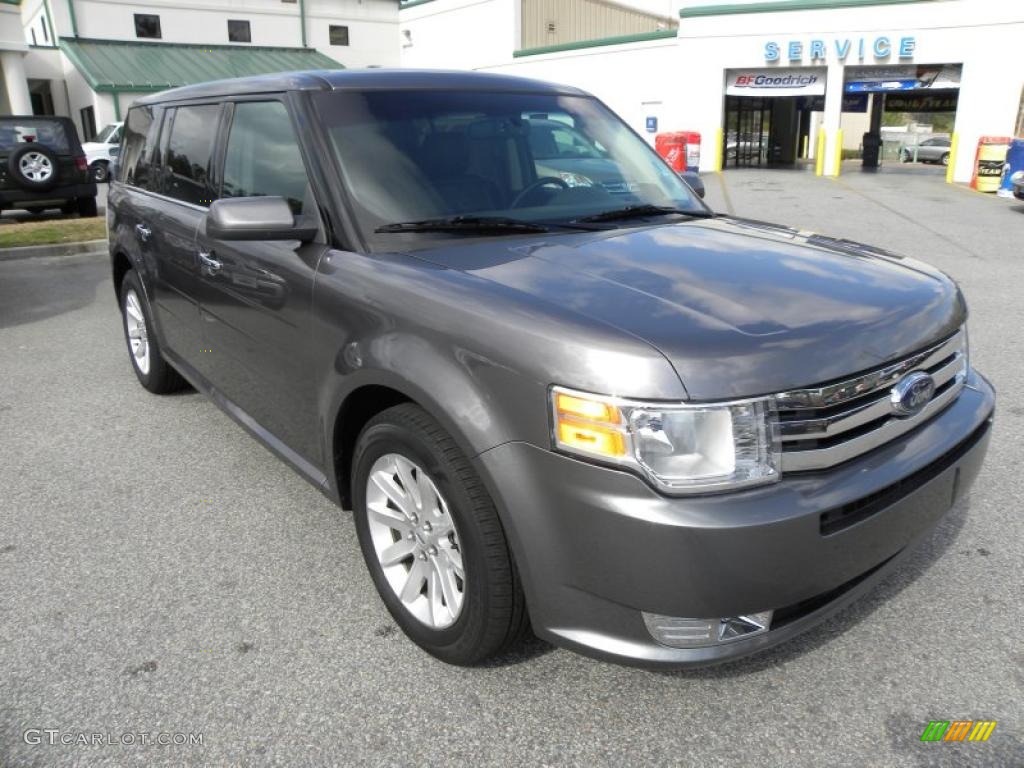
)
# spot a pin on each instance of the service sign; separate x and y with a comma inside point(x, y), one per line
point(775, 82)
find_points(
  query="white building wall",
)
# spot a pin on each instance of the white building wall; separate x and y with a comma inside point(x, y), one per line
point(687, 75)
point(373, 24)
point(459, 34)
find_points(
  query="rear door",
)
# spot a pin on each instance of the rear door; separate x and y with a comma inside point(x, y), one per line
point(257, 295)
point(171, 220)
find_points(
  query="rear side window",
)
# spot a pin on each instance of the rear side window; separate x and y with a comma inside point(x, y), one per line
point(263, 155)
point(187, 163)
point(14, 133)
point(140, 134)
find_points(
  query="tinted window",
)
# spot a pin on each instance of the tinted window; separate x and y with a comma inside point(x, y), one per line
point(338, 34)
point(147, 25)
point(238, 31)
point(263, 155)
point(188, 153)
point(14, 132)
point(138, 162)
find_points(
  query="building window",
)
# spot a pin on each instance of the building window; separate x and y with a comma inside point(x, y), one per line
point(238, 31)
point(88, 116)
point(147, 25)
point(339, 34)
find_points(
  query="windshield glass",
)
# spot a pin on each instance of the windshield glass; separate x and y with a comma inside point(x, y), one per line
point(19, 131)
point(543, 158)
point(104, 136)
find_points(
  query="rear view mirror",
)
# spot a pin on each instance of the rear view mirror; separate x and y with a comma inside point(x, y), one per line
point(255, 218)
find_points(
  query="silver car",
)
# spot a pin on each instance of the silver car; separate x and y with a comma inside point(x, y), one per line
point(929, 151)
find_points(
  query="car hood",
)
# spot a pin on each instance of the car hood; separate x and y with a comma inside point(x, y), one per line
point(740, 308)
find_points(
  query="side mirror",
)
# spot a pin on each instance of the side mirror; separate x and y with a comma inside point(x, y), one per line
point(255, 218)
point(694, 180)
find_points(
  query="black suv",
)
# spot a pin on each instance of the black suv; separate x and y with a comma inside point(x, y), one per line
point(42, 166)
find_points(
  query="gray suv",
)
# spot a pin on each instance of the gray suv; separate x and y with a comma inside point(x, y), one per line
point(651, 433)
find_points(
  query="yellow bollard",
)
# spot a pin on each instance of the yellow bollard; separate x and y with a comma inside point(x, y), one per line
point(838, 157)
point(819, 154)
point(718, 150)
point(954, 145)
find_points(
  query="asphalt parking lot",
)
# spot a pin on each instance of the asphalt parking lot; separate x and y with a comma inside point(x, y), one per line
point(162, 572)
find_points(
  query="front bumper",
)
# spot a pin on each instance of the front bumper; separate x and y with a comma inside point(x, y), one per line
point(1018, 191)
point(597, 546)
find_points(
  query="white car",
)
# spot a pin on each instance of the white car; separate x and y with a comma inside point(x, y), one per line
point(97, 151)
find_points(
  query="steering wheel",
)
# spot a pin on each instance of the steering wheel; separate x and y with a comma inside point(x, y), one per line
point(543, 181)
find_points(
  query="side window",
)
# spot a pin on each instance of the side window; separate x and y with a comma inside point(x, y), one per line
point(140, 135)
point(187, 161)
point(263, 157)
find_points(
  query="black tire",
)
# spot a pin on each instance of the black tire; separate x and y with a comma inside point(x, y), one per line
point(161, 378)
point(945, 159)
point(87, 207)
point(493, 615)
point(99, 170)
point(36, 210)
point(19, 178)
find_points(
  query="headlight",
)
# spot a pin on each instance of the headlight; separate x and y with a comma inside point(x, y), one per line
point(679, 447)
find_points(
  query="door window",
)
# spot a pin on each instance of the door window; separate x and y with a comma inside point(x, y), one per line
point(141, 129)
point(263, 157)
point(189, 147)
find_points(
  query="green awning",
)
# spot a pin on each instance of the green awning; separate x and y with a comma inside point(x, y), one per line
point(112, 65)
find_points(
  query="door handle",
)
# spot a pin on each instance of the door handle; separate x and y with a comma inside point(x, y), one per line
point(210, 264)
point(143, 232)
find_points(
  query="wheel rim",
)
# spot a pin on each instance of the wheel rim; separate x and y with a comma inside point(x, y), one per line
point(35, 166)
point(100, 172)
point(135, 322)
point(415, 540)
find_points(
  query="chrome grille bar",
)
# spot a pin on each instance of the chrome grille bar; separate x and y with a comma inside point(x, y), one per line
point(834, 394)
point(859, 408)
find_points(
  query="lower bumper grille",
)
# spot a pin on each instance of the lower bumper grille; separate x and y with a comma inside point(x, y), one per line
point(843, 517)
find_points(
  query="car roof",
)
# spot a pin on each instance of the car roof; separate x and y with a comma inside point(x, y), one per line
point(360, 80)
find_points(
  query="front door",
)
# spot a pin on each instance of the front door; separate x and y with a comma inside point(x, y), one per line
point(183, 186)
point(256, 296)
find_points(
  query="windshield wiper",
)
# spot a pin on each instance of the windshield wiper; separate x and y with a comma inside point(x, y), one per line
point(476, 224)
point(640, 211)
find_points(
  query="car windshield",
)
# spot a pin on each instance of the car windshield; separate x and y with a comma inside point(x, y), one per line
point(499, 158)
point(47, 132)
point(103, 137)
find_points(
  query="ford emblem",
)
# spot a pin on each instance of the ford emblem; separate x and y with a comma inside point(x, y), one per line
point(911, 394)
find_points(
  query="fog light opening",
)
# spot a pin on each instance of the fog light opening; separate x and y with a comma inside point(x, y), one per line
point(678, 632)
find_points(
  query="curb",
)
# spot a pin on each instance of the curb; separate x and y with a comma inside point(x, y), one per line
point(60, 249)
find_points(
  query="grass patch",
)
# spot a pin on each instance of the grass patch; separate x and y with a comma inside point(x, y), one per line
point(51, 232)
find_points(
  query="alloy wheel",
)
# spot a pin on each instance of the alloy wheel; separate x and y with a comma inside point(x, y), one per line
point(415, 540)
point(35, 166)
point(135, 322)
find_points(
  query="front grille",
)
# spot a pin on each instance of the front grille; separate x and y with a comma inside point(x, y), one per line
point(825, 426)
